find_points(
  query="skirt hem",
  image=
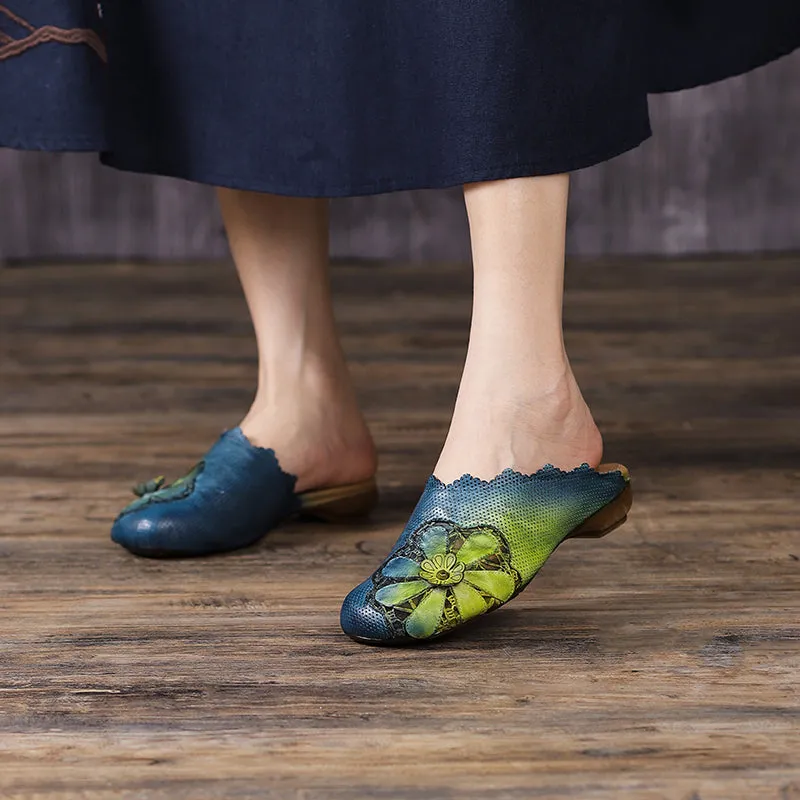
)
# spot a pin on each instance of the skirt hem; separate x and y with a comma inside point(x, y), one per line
point(722, 73)
point(58, 144)
point(384, 185)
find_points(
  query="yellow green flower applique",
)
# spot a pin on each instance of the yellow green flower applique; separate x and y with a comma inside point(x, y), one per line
point(154, 491)
point(446, 575)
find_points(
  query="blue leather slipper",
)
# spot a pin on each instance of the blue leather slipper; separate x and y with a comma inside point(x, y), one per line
point(234, 496)
point(473, 545)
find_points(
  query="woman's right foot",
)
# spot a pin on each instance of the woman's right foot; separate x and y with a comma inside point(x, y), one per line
point(306, 451)
point(313, 423)
point(230, 499)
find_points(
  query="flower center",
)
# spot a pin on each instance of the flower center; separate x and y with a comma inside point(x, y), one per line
point(442, 570)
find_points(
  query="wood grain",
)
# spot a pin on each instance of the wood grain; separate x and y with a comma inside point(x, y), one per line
point(662, 662)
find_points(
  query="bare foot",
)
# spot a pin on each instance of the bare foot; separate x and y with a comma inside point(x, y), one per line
point(314, 425)
point(501, 424)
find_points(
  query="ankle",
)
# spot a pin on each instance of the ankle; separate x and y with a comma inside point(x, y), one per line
point(311, 418)
point(515, 398)
point(520, 426)
point(320, 453)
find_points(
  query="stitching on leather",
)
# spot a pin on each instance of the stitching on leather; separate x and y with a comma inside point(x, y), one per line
point(47, 33)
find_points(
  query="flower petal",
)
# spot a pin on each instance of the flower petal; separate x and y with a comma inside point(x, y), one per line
point(469, 600)
point(424, 619)
point(401, 567)
point(434, 541)
point(494, 582)
point(397, 593)
point(427, 575)
point(476, 547)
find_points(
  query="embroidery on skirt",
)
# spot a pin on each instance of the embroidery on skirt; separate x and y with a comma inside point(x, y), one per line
point(11, 46)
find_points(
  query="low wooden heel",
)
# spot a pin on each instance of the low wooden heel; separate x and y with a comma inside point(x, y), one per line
point(607, 519)
point(340, 503)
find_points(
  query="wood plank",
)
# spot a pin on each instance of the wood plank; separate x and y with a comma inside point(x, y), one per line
point(662, 662)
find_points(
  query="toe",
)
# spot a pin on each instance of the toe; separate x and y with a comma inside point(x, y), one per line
point(362, 622)
point(135, 532)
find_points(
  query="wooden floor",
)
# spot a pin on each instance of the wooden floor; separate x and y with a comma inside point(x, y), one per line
point(662, 662)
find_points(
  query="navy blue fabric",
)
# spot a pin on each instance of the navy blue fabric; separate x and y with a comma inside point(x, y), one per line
point(694, 42)
point(320, 98)
point(239, 494)
point(51, 94)
point(351, 97)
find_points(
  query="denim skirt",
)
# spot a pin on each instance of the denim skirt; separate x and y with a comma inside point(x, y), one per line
point(353, 97)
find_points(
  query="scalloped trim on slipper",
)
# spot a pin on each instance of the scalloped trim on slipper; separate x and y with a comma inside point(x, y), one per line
point(547, 472)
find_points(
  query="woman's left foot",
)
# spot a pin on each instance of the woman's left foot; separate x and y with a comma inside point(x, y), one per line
point(476, 541)
point(472, 545)
point(519, 424)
